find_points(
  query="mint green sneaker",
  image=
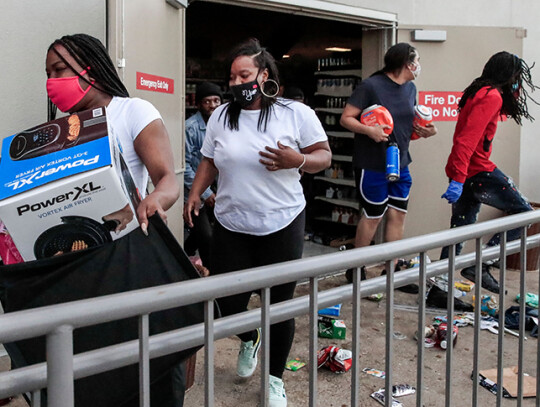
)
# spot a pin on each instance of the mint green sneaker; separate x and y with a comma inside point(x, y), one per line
point(247, 357)
point(277, 397)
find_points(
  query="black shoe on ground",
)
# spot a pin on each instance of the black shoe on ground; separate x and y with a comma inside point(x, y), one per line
point(349, 274)
point(409, 288)
point(488, 281)
point(438, 298)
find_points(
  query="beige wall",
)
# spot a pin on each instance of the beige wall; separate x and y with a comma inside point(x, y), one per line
point(28, 28)
point(148, 34)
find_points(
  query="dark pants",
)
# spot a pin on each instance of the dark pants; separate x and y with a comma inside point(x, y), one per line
point(200, 235)
point(491, 188)
point(178, 377)
point(233, 251)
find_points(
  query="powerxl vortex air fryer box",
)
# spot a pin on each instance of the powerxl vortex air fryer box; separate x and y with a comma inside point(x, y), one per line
point(64, 186)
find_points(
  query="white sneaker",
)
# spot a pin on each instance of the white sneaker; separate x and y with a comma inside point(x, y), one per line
point(277, 397)
point(247, 357)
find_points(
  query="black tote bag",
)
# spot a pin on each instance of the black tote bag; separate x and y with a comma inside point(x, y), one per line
point(132, 262)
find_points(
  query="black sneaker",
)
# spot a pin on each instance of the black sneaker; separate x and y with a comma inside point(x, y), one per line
point(409, 288)
point(349, 274)
point(488, 281)
point(438, 298)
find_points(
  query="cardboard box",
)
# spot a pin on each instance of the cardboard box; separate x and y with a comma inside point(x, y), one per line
point(65, 182)
point(331, 328)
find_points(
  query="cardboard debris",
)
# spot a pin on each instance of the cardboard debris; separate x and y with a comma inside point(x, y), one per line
point(510, 382)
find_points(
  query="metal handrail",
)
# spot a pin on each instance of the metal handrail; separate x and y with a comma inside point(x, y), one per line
point(43, 321)
point(40, 321)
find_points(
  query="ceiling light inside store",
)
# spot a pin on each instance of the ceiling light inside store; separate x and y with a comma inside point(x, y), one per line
point(286, 56)
point(338, 49)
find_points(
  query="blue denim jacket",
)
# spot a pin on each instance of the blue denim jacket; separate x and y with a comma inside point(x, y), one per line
point(195, 132)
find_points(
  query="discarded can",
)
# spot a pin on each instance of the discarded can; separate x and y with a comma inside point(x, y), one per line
point(422, 116)
point(442, 335)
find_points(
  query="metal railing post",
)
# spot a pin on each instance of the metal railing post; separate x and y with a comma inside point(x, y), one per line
point(522, 299)
point(389, 353)
point(500, 339)
point(313, 340)
point(421, 331)
point(36, 398)
point(209, 353)
point(477, 317)
point(265, 357)
point(355, 379)
point(60, 367)
point(144, 361)
point(450, 324)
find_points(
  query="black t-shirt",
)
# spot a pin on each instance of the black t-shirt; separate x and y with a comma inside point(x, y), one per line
point(399, 100)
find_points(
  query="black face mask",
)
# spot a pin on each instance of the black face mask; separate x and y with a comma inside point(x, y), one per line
point(246, 93)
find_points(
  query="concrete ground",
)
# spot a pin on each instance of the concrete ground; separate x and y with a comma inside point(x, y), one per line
point(334, 389)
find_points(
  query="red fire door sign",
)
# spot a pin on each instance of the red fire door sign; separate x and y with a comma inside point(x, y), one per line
point(443, 104)
point(154, 83)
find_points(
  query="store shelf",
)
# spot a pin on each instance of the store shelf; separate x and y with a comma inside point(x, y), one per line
point(199, 80)
point(329, 219)
point(344, 158)
point(338, 181)
point(340, 134)
point(349, 203)
point(333, 110)
point(341, 72)
point(342, 94)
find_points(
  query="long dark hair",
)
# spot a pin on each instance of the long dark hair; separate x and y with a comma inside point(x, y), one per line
point(262, 59)
point(397, 57)
point(501, 71)
point(90, 52)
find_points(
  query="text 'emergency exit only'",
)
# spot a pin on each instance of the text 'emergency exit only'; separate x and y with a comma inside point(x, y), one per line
point(443, 104)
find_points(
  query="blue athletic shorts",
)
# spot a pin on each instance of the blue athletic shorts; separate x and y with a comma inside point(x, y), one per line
point(377, 193)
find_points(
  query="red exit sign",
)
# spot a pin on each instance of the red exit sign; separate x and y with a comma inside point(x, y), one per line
point(154, 83)
point(444, 105)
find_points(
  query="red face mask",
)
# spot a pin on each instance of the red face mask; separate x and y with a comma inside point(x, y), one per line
point(66, 92)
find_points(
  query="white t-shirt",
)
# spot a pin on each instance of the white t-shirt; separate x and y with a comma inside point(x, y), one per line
point(127, 117)
point(250, 199)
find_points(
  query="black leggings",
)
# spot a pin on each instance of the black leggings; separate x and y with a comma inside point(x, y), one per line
point(233, 251)
point(200, 235)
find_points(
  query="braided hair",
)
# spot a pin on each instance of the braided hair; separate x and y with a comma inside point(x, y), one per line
point(262, 59)
point(89, 52)
point(502, 71)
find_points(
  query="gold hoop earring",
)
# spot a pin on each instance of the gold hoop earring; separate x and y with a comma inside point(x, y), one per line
point(266, 94)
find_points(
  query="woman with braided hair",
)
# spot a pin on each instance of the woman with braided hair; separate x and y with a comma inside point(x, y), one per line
point(82, 76)
point(474, 179)
point(258, 143)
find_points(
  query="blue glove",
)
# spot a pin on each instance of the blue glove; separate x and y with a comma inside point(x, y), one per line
point(454, 191)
